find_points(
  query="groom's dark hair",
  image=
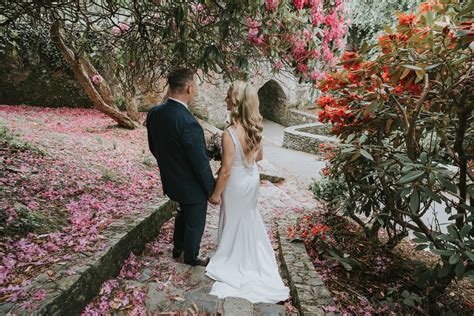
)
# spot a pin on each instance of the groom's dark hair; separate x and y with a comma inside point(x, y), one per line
point(178, 78)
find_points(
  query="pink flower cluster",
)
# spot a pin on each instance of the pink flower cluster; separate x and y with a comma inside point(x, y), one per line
point(300, 4)
point(272, 4)
point(96, 79)
point(309, 47)
point(121, 28)
point(254, 30)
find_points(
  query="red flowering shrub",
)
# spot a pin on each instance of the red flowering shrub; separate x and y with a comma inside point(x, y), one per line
point(402, 117)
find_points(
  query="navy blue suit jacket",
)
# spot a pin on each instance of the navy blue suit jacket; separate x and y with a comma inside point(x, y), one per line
point(176, 139)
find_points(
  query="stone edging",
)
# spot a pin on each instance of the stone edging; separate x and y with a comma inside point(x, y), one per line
point(72, 293)
point(299, 140)
point(297, 117)
point(306, 287)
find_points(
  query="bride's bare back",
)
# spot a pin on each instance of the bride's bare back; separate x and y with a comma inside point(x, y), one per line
point(257, 153)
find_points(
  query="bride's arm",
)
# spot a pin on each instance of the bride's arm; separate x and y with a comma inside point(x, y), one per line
point(259, 152)
point(228, 152)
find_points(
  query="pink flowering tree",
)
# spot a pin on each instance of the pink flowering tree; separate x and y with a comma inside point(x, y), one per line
point(142, 41)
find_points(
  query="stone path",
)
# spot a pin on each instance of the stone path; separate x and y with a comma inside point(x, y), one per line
point(172, 287)
point(295, 164)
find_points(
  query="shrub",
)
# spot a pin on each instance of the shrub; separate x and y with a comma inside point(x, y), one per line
point(404, 120)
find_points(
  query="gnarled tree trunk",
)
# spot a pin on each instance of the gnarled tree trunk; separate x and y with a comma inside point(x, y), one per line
point(131, 107)
point(104, 89)
point(81, 70)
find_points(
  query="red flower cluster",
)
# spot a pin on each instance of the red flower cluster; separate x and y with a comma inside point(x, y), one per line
point(385, 43)
point(413, 88)
point(351, 61)
point(332, 81)
point(334, 115)
point(425, 7)
point(325, 101)
point(308, 230)
point(404, 19)
point(332, 110)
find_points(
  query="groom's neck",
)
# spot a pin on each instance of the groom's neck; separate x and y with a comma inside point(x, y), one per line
point(180, 97)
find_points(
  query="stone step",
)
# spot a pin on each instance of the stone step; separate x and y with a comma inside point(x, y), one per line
point(173, 287)
point(265, 309)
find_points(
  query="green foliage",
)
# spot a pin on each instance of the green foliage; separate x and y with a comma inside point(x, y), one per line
point(330, 190)
point(34, 71)
point(368, 18)
point(406, 137)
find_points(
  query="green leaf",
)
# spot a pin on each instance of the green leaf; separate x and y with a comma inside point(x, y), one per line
point(431, 194)
point(445, 237)
point(454, 258)
point(447, 184)
point(346, 266)
point(366, 155)
point(452, 231)
point(465, 230)
point(424, 157)
point(442, 252)
point(421, 247)
point(407, 168)
point(444, 271)
point(459, 270)
point(413, 67)
point(455, 216)
point(414, 202)
point(405, 192)
point(467, 207)
point(411, 176)
point(347, 150)
point(430, 67)
point(420, 236)
point(470, 255)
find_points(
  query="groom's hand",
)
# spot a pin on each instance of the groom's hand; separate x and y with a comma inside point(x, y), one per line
point(215, 200)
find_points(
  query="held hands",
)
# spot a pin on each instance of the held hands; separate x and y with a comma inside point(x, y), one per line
point(215, 199)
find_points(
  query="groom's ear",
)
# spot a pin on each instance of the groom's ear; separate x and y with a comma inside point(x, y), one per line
point(188, 88)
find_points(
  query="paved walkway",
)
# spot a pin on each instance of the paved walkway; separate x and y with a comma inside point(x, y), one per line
point(302, 166)
point(172, 287)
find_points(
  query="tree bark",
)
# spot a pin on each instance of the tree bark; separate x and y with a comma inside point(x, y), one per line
point(81, 73)
point(131, 107)
point(104, 88)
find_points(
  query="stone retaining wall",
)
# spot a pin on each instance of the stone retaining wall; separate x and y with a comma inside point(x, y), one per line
point(297, 117)
point(306, 287)
point(307, 137)
point(69, 294)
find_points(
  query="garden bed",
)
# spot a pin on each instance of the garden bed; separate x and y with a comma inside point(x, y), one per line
point(375, 279)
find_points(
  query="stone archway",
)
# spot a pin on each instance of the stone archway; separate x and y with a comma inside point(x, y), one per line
point(273, 102)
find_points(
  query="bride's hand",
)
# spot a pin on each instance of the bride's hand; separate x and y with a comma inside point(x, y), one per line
point(215, 199)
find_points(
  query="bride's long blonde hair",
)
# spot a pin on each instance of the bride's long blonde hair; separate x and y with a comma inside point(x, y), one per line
point(245, 111)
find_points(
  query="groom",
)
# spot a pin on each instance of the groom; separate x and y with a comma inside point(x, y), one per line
point(176, 139)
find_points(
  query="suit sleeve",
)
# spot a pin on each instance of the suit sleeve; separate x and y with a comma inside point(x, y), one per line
point(195, 149)
point(149, 132)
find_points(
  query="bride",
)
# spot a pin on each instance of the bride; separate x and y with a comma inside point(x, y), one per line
point(244, 264)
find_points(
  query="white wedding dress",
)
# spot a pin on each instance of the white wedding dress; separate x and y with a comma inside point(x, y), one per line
point(244, 263)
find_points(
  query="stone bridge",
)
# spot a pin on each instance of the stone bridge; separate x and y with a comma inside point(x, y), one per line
point(278, 93)
point(280, 97)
